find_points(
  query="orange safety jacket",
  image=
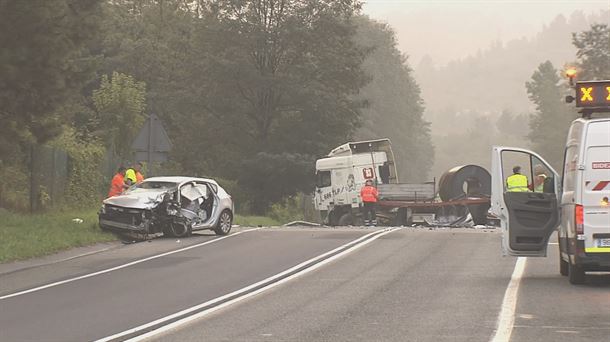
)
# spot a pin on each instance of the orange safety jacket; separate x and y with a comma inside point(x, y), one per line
point(116, 186)
point(139, 177)
point(369, 194)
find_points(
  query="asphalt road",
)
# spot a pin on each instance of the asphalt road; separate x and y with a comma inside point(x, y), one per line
point(408, 285)
point(550, 309)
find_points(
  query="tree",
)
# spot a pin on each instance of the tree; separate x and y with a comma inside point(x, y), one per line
point(395, 107)
point(281, 78)
point(280, 62)
point(549, 124)
point(153, 42)
point(44, 65)
point(593, 52)
point(119, 102)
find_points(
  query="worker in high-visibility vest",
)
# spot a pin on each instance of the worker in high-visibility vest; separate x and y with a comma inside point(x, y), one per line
point(369, 197)
point(133, 175)
point(138, 169)
point(117, 185)
point(130, 176)
point(516, 182)
point(539, 179)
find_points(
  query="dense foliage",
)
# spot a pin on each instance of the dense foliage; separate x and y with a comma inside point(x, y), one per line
point(394, 104)
point(550, 123)
point(593, 52)
point(251, 92)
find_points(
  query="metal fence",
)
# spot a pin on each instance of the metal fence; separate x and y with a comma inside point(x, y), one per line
point(42, 179)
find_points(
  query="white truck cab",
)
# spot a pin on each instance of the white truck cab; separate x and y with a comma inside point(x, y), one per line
point(578, 205)
point(341, 175)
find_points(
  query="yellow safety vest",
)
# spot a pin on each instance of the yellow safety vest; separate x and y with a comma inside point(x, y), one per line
point(540, 187)
point(516, 183)
point(131, 175)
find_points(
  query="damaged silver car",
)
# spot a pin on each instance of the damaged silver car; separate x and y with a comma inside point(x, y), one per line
point(174, 206)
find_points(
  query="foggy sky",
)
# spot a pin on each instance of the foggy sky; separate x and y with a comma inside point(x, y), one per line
point(450, 29)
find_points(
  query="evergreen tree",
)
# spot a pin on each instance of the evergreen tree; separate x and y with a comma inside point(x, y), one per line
point(593, 52)
point(44, 64)
point(549, 124)
point(395, 107)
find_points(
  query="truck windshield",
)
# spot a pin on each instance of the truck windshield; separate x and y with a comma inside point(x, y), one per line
point(323, 179)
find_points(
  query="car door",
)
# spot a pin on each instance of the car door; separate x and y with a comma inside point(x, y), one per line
point(528, 218)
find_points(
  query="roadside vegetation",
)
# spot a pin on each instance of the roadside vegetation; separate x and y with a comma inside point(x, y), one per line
point(255, 221)
point(28, 236)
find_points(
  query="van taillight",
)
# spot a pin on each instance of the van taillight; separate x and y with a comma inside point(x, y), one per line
point(579, 219)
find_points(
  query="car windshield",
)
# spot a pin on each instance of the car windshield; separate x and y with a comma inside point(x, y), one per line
point(146, 186)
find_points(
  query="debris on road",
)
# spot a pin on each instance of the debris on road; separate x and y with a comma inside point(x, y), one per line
point(302, 223)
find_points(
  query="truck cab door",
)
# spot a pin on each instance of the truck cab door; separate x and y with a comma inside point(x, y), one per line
point(528, 218)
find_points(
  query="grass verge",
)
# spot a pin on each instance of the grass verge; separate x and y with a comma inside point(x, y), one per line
point(28, 236)
point(255, 221)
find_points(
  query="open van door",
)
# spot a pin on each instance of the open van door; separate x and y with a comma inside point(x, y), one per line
point(529, 216)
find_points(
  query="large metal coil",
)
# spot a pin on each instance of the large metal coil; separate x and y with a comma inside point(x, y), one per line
point(467, 181)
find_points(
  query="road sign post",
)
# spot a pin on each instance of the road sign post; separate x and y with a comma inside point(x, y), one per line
point(152, 143)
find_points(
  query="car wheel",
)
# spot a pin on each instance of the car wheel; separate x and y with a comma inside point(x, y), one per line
point(576, 274)
point(177, 229)
point(225, 222)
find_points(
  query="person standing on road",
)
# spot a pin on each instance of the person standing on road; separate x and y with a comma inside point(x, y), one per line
point(369, 197)
point(516, 182)
point(117, 185)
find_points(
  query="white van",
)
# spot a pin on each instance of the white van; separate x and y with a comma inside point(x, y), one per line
point(578, 204)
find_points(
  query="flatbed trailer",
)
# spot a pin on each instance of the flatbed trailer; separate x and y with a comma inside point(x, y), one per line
point(407, 212)
point(435, 204)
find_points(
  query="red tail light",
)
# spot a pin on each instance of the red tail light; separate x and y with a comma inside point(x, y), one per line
point(579, 219)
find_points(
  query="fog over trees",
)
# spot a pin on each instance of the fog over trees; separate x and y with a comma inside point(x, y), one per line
point(485, 91)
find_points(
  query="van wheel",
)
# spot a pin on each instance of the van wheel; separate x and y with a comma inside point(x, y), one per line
point(563, 266)
point(576, 274)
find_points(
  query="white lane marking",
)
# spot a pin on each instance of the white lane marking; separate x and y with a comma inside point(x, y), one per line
point(552, 243)
point(355, 245)
point(89, 275)
point(506, 319)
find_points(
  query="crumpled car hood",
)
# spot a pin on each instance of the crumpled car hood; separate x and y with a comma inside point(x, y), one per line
point(140, 200)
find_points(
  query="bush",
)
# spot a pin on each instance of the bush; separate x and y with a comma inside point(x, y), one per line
point(288, 210)
point(84, 176)
point(14, 187)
